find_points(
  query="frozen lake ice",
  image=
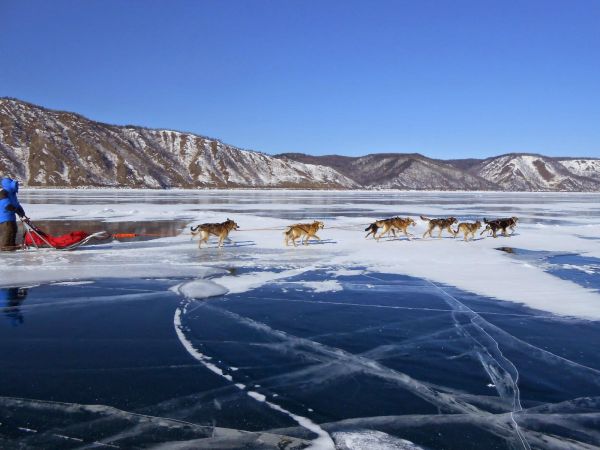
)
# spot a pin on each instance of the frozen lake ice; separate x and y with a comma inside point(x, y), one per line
point(350, 343)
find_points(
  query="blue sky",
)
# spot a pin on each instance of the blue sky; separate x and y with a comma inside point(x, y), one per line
point(446, 78)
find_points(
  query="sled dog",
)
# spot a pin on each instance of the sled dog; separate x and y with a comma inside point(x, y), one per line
point(443, 224)
point(221, 230)
point(392, 224)
point(468, 229)
point(304, 231)
point(493, 226)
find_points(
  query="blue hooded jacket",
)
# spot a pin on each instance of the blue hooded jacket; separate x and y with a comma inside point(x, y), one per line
point(9, 205)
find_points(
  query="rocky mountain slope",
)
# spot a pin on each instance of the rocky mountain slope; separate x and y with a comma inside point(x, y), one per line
point(524, 172)
point(398, 171)
point(511, 172)
point(584, 167)
point(42, 147)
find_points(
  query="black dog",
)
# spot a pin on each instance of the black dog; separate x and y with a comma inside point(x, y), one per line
point(500, 224)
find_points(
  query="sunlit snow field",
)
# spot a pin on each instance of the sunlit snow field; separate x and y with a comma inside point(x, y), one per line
point(346, 343)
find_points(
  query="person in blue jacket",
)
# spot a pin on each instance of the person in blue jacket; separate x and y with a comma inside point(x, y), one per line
point(9, 209)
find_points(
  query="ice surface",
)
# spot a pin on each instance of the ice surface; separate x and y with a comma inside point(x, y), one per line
point(100, 426)
point(416, 334)
point(474, 266)
point(323, 440)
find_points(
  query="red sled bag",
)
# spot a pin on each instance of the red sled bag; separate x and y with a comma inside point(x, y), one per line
point(38, 238)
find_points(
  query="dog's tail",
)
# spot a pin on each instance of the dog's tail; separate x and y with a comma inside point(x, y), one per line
point(194, 228)
point(426, 219)
point(372, 230)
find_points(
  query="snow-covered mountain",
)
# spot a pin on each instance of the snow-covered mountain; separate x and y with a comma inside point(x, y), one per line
point(398, 171)
point(584, 167)
point(525, 172)
point(42, 147)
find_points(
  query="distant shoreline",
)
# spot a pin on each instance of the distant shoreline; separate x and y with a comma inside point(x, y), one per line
point(233, 190)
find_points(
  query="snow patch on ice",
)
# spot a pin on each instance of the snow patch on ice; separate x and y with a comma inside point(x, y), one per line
point(323, 286)
point(199, 289)
point(246, 282)
point(345, 272)
point(372, 440)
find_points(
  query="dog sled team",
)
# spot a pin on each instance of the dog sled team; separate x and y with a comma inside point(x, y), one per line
point(10, 208)
point(446, 223)
point(307, 231)
point(470, 228)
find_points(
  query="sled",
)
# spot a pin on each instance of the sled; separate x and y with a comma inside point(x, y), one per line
point(36, 238)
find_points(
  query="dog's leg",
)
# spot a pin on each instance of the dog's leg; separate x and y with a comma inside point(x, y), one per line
point(406, 234)
point(440, 233)
point(384, 232)
point(307, 238)
point(428, 231)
